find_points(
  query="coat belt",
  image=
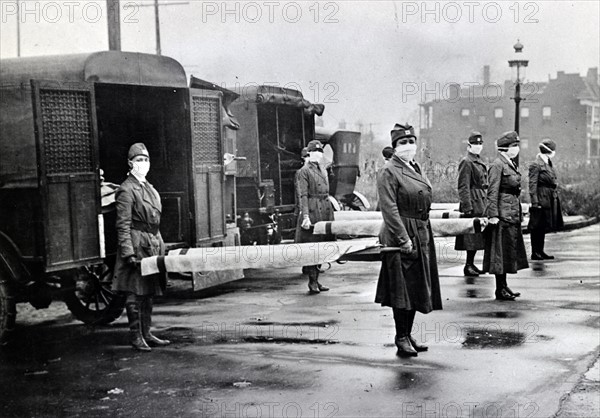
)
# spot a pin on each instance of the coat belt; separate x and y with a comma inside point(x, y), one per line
point(510, 190)
point(145, 227)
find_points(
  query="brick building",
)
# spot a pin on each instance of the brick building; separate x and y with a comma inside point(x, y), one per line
point(565, 109)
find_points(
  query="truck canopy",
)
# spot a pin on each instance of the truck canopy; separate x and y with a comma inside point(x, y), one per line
point(104, 67)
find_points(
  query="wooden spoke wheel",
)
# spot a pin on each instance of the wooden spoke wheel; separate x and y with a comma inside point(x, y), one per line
point(91, 299)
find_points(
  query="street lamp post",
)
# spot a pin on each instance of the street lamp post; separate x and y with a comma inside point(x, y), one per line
point(518, 64)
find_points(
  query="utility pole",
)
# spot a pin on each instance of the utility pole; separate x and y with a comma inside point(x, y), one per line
point(156, 6)
point(113, 18)
point(18, 29)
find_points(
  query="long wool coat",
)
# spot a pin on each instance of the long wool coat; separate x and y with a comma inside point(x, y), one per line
point(312, 193)
point(472, 186)
point(504, 246)
point(542, 188)
point(407, 281)
point(138, 218)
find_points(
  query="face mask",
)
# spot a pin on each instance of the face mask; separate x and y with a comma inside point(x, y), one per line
point(140, 168)
point(512, 152)
point(475, 148)
point(552, 154)
point(315, 156)
point(407, 151)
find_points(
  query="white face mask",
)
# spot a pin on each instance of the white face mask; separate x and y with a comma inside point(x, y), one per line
point(552, 154)
point(140, 168)
point(406, 151)
point(475, 148)
point(315, 156)
point(512, 152)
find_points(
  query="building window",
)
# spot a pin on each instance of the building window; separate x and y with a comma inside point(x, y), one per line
point(546, 112)
point(481, 120)
point(498, 113)
point(430, 117)
point(594, 148)
point(595, 121)
point(465, 112)
point(524, 112)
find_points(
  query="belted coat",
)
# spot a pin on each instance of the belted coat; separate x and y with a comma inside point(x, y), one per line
point(138, 219)
point(407, 281)
point(504, 245)
point(542, 189)
point(472, 192)
point(312, 193)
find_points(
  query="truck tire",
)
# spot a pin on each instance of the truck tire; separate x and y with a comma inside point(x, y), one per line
point(90, 298)
point(8, 311)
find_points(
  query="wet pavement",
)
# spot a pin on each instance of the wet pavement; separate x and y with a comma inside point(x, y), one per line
point(262, 346)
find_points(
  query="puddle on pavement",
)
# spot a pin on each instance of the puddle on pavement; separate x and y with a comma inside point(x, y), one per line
point(293, 324)
point(538, 267)
point(177, 335)
point(593, 322)
point(279, 340)
point(583, 306)
point(497, 314)
point(473, 293)
point(239, 335)
point(476, 280)
point(492, 338)
point(406, 380)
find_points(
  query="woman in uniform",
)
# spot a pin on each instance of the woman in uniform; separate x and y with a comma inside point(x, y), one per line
point(472, 185)
point(504, 246)
point(138, 219)
point(545, 214)
point(312, 194)
point(408, 280)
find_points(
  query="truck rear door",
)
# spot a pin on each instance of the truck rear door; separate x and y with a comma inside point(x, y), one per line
point(207, 165)
point(67, 154)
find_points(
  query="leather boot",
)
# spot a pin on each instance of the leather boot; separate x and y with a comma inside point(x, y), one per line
point(503, 294)
point(470, 270)
point(321, 287)
point(541, 249)
point(313, 284)
point(418, 347)
point(515, 294)
point(405, 348)
point(147, 323)
point(135, 327)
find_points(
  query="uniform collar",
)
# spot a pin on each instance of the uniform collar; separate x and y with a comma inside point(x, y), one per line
point(510, 162)
point(140, 179)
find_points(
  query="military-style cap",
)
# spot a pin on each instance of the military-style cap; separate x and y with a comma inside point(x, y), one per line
point(304, 152)
point(314, 145)
point(402, 131)
point(507, 138)
point(547, 146)
point(387, 152)
point(475, 138)
point(137, 149)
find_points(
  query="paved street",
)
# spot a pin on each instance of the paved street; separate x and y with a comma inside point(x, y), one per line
point(263, 347)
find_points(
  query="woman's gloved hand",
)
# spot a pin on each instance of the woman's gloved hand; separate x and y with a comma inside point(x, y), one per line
point(132, 261)
point(306, 223)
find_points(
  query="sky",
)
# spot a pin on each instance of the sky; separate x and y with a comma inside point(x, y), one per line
point(368, 62)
